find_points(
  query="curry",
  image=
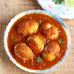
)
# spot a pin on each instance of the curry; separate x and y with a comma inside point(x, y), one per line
point(37, 41)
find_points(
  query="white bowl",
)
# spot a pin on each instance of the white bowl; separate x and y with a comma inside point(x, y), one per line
point(62, 10)
point(19, 16)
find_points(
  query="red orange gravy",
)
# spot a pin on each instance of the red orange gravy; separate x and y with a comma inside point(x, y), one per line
point(33, 64)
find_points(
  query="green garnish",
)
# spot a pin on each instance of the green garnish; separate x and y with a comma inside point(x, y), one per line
point(39, 21)
point(61, 41)
point(57, 1)
point(14, 39)
point(38, 59)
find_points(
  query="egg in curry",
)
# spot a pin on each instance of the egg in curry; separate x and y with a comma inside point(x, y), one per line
point(37, 41)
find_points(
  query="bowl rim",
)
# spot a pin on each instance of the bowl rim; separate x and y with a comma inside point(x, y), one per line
point(12, 21)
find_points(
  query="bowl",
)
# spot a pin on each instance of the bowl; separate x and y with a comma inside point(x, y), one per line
point(43, 12)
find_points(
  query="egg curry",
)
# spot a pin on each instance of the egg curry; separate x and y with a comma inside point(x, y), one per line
point(37, 41)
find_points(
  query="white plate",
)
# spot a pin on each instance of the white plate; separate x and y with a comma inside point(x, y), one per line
point(61, 10)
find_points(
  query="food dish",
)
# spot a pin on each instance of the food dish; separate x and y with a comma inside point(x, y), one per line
point(20, 48)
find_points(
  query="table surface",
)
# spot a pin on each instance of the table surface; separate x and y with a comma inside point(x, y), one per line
point(10, 8)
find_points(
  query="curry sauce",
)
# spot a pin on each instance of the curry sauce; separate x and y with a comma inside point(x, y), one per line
point(15, 38)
